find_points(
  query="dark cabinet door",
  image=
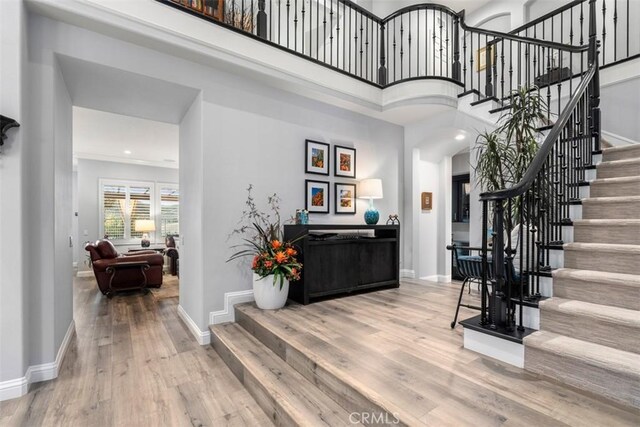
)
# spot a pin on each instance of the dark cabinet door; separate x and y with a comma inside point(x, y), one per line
point(377, 261)
point(331, 268)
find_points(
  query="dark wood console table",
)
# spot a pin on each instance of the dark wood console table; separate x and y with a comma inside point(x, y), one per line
point(338, 265)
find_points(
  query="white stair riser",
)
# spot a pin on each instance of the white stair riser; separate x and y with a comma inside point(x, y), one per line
point(575, 212)
point(556, 258)
point(530, 317)
point(568, 234)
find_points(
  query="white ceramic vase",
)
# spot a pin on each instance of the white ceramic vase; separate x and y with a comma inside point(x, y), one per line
point(268, 295)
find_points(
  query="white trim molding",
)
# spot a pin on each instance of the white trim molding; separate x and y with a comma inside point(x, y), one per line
point(228, 314)
point(617, 140)
point(408, 274)
point(12, 389)
point(203, 337)
point(84, 273)
point(437, 278)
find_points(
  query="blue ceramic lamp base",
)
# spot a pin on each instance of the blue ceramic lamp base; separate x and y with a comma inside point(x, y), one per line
point(371, 215)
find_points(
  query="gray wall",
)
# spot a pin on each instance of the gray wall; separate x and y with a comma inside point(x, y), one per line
point(89, 174)
point(620, 104)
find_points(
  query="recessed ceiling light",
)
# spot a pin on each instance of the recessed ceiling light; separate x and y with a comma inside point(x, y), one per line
point(127, 152)
point(459, 137)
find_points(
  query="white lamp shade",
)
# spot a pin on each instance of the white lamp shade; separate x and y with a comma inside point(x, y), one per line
point(145, 225)
point(370, 189)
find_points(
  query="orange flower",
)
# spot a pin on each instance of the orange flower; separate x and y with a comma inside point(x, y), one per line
point(255, 261)
point(276, 244)
point(294, 271)
point(291, 252)
point(268, 264)
point(281, 257)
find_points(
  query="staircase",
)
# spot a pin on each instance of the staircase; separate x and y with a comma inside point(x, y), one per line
point(589, 333)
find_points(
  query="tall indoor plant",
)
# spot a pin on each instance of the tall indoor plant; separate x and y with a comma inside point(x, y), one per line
point(503, 155)
point(274, 261)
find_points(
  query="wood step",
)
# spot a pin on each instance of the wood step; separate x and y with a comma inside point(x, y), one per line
point(616, 231)
point(608, 257)
point(621, 153)
point(615, 289)
point(285, 396)
point(608, 372)
point(618, 168)
point(612, 187)
point(342, 382)
point(601, 324)
point(611, 208)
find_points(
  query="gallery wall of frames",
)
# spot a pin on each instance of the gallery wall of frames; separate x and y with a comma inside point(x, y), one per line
point(319, 160)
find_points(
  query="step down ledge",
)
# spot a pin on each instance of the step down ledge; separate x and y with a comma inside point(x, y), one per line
point(283, 393)
point(362, 399)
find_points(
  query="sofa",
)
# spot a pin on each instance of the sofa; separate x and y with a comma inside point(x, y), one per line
point(120, 272)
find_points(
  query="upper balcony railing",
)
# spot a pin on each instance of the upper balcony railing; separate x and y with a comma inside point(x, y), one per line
point(424, 41)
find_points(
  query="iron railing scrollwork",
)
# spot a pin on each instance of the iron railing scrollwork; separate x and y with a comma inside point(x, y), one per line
point(527, 219)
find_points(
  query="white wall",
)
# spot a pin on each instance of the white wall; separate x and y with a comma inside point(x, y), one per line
point(13, 250)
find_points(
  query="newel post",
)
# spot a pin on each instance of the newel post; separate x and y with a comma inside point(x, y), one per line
point(497, 306)
point(455, 67)
point(382, 70)
point(262, 20)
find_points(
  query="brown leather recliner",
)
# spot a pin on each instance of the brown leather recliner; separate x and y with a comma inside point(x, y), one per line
point(120, 272)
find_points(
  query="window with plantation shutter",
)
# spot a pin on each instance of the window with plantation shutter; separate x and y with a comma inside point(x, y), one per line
point(122, 203)
point(169, 210)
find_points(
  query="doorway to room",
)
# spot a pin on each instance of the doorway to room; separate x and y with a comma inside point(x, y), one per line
point(460, 205)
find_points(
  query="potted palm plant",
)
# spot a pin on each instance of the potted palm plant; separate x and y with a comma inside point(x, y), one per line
point(274, 261)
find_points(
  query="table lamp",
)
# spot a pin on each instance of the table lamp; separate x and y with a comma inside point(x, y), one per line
point(145, 226)
point(371, 189)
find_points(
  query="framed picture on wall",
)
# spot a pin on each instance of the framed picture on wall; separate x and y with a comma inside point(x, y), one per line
point(316, 198)
point(345, 198)
point(344, 161)
point(481, 57)
point(316, 157)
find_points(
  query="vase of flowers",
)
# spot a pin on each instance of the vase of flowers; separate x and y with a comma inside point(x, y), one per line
point(274, 261)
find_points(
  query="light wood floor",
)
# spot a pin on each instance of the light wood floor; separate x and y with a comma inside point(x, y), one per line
point(134, 363)
point(397, 346)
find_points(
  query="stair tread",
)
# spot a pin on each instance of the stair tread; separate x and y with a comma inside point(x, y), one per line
point(594, 354)
point(614, 199)
point(608, 313)
point(603, 247)
point(615, 180)
point(630, 147)
point(304, 402)
point(623, 279)
point(605, 221)
point(622, 162)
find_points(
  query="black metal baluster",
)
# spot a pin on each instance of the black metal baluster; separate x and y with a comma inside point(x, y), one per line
point(440, 43)
point(478, 65)
point(361, 44)
point(511, 71)
point(502, 75)
point(464, 58)
point(488, 88)
point(548, 83)
point(366, 50)
point(395, 76)
point(485, 249)
point(455, 67)
point(324, 32)
point(409, 39)
point(401, 48)
point(615, 30)
point(418, 43)
point(560, 80)
point(471, 61)
point(604, 32)
point(519, 64)
point(434, 41)
point(331, 33)
point(317, 30)
point(252, 16)
point(279, 20)
point(262, 20)
point(302, 35)
point(382, 71)
point(628, 29)
point(355, 44)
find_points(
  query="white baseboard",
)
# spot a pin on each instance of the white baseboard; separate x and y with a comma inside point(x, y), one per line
point(616, 140)
point(228, 314)
point(47, 371)
point(203, 337)
point(84, 273)
point(437, 278)
point(409, 274)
